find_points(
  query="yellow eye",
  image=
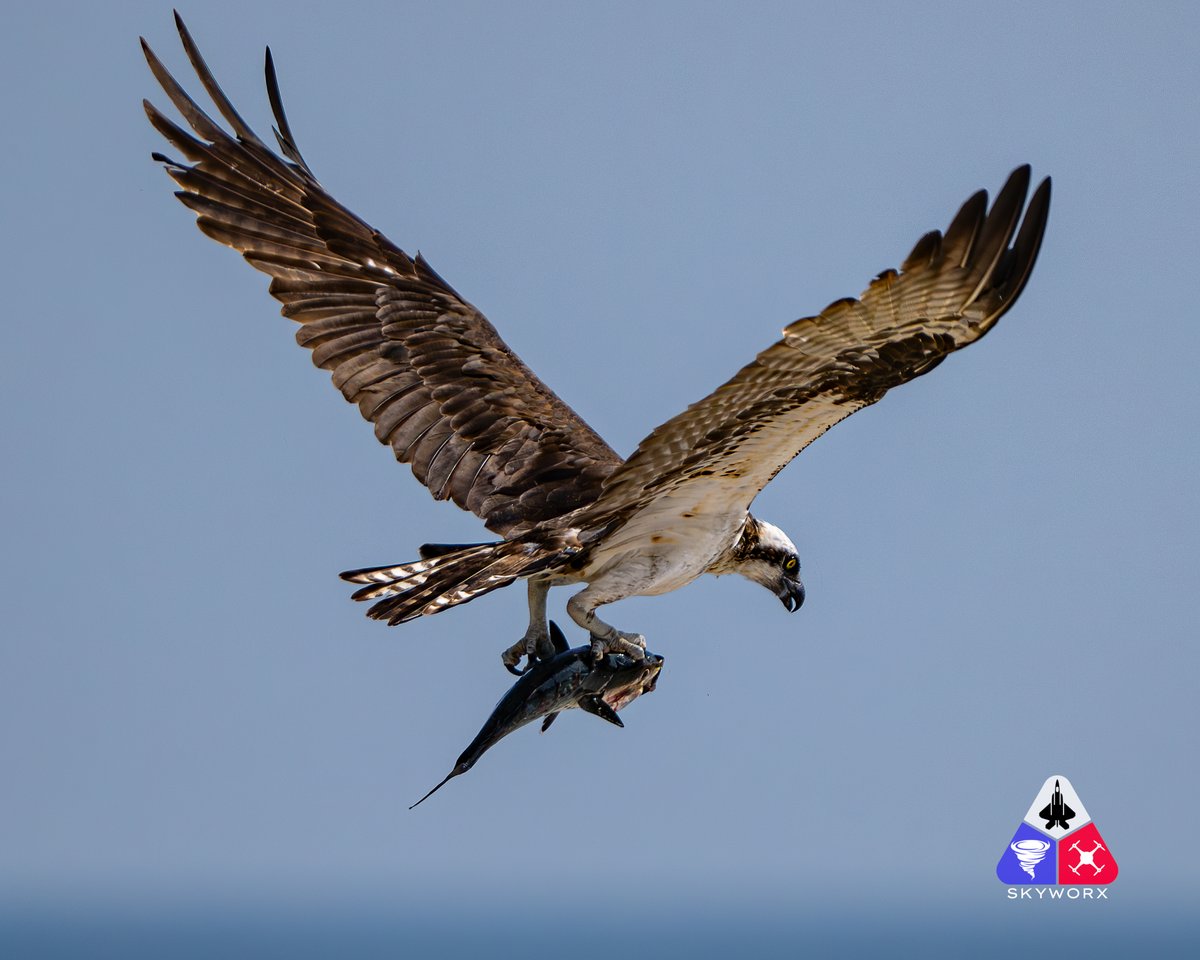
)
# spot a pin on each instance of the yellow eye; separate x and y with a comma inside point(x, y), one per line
point(791, 564)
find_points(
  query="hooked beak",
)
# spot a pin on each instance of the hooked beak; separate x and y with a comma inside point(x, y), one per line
point(791, 593)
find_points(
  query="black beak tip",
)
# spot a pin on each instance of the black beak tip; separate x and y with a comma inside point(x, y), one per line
point(793, 597)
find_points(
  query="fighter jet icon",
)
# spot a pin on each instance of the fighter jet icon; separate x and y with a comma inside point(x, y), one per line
point(1057, 811)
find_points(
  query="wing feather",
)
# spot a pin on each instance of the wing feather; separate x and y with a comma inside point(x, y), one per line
point(423, 365)
point(950, 290)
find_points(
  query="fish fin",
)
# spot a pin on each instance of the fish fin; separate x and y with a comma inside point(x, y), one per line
point(549, 720)
point(594, 704)
point(558, 639)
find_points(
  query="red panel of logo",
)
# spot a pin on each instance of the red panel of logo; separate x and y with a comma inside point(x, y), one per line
point(1083, 857)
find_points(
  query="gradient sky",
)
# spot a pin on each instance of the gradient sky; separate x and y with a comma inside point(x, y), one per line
point(999, 557)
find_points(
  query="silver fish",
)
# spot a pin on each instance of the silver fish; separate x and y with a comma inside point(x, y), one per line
point(570, 678)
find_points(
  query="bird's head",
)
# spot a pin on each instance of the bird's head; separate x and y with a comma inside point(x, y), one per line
point(765, 554)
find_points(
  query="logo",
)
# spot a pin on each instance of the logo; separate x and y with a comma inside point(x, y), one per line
point(1057, 844)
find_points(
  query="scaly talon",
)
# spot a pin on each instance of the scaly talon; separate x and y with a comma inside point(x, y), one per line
point(540, 648)
point(535, 645)
point(632, 645)
point(512, 657)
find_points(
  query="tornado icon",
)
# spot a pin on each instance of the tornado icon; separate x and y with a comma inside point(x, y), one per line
point(1030, 853)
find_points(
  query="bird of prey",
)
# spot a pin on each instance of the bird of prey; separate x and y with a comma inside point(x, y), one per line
point(478, 427)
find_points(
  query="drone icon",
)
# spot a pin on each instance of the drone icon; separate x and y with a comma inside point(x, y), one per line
point(1087, 858)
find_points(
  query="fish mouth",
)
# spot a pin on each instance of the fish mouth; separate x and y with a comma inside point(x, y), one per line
point(642, 680)
point(646, 678)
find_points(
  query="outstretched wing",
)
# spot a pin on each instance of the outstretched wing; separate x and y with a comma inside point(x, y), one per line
point(423, 365)
point(719, 453)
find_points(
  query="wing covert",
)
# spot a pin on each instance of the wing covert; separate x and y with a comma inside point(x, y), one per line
point(948, 293)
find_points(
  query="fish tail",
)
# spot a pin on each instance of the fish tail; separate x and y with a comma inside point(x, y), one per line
point(453, 773)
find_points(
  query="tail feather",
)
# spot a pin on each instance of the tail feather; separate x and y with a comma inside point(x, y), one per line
point(400, 578)
point(447, 578)
point(428, 551)
point(444, 588)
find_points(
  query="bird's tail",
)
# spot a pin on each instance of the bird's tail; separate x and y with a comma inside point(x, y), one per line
point(446, 576)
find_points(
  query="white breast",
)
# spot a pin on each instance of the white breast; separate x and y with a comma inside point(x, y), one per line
point(666, 545)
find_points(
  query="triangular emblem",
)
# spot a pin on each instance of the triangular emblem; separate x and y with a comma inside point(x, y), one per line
point(1057, 842)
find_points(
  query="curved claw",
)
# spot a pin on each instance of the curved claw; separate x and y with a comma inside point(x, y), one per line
point(537, 646)
point(511, 658)
point(632, 645)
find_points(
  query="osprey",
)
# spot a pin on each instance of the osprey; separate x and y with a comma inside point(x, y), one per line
point(478, 427)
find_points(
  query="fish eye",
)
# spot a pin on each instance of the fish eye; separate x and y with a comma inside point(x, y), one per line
point(791, 564)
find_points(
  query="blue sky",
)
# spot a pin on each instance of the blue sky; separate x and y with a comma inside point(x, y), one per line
point(998, 556)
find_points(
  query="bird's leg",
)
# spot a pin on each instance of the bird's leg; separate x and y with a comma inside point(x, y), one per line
point(605, 637)
point(536, 643)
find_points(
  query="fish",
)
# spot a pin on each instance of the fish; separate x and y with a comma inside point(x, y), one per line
point(570, 678)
